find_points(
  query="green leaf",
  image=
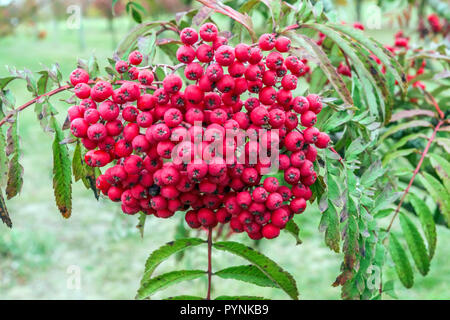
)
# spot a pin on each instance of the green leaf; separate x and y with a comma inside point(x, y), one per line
point(5, 81)
point(4, 215)
point(164, 252)
point(442, 168)
point(184, 297)
point(273, 271)
point(3, 159)
point(427, 221)
point(350, 246)
point(93, 67)
point(250, 274)
point(332, 75)
point(363, 73)
point(374, 46)
point(293, 229)
point(372, 173)
point(165, 280)
point(330, 224)
point(240, 298)
point(416, 244)
point(402, 264)
point(62, 173)
point(403, 126)
point(129, 42)
point(136, 15)
point(15, 170)
point(77, 163)
point(437, 192)
point(397, 154)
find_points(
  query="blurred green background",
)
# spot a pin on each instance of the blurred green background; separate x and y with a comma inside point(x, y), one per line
point(37, 254)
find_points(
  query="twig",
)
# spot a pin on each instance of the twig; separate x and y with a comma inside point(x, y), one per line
point(416, 171)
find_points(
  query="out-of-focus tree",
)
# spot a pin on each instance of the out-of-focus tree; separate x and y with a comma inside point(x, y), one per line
point(105, 7)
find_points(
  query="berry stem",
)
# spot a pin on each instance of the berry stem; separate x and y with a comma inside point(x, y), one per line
point(416, 171)
point(208, 295)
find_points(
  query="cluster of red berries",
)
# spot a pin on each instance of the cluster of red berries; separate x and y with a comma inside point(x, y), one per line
point(172, 150)
point(435, 23)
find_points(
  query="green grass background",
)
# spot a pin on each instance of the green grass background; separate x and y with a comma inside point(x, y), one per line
point(105, 244)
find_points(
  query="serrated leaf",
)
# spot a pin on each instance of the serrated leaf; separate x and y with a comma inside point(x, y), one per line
point(416, 244)
point(350, 246)
point(427, 222)
point(164, 252)
point(442, 167)
point(402, 264)
point(62, 173)
point(77, 163)
point(372, 173)
point(4, 215)
point(15, 169)
point(240, 298)
point(403, 126)
point(273, 271)
point(293, 229)
point(374, 46)
point(397, 154)
point(165, 280)
point(366, 78)
point(332, 75)
point(3, 159)
point(330, 224)
point(250, 274)
point(437, 192)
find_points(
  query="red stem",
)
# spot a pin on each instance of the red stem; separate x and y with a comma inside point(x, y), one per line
point(208, 295)
point(49, 94)
point(340, 158)
point(416, 171)
point(29, 103)
point(436, 106)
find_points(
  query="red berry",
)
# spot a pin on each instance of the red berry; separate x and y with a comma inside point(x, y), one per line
point(135, 58)
point(146, 77)
point(267, 42)
point(283, 44)
point(269, 231)
point(121, 66)
point(188, 36)
point(208, 32)
point(185, 54)
point(308, 119)
point(79, 76)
